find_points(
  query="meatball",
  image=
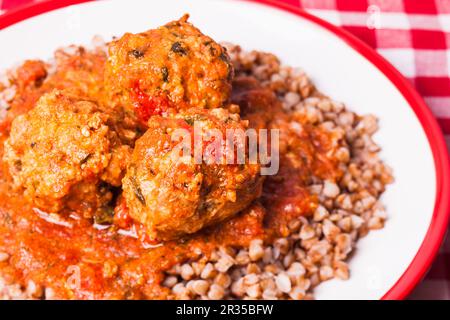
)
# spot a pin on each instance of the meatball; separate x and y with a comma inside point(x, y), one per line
point(171, 193)
point(257, 103)
point(63, 154)
point(174, 66)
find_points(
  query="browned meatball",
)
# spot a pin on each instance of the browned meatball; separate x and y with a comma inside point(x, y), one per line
point(174, 66)
point(173, 195)
point(61, 151)
point(257, 103)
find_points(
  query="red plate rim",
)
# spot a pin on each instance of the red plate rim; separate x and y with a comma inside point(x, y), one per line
point(438, 226)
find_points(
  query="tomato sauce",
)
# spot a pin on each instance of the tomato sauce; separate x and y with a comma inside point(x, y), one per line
point(147, 106)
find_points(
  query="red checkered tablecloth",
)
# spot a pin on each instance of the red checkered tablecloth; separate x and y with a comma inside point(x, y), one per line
point(414, 35)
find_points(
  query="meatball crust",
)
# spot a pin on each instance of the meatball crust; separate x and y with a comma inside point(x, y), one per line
point(174, 195)
point(174, 66)
point(257, 103)
point(62, 153)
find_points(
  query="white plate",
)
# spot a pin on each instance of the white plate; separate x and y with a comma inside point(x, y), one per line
point(336, 68)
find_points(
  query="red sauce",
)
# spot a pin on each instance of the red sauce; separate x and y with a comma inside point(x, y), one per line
point(31, 72)
point(147, 106)
point(121, 215)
